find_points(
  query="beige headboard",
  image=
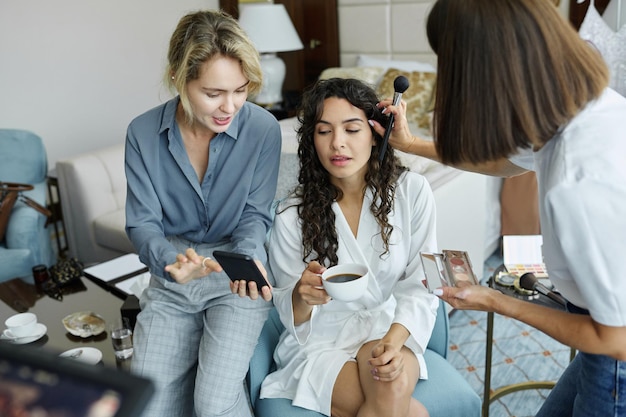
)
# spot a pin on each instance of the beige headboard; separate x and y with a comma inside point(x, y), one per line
point(390, 29)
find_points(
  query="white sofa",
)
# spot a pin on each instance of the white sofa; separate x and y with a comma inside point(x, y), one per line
point(92, 190)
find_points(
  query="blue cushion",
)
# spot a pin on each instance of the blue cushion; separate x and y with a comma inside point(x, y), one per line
point(446, 393)
point(15, 263)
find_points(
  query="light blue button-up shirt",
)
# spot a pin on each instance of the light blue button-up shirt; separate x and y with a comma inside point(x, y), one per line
point(231, 204)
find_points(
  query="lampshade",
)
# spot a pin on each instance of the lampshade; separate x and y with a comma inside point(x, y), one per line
point(270, 29)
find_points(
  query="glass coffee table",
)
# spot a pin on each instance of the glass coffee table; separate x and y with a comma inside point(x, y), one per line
point(83, 295)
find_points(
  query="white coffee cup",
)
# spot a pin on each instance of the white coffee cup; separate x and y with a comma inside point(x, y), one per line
point(346, 282)
point(22, 324)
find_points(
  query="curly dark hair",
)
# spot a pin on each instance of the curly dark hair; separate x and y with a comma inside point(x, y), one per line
point(315, 190)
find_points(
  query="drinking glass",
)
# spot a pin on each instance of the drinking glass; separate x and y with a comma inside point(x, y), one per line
point(122, 338)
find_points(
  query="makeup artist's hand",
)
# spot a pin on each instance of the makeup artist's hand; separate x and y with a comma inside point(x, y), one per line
point(466, 296)
point(401, 137)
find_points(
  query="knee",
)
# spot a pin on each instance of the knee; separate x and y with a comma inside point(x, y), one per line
point(218, 404)
point(392, 398)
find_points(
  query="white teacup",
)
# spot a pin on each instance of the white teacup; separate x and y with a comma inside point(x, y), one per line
point(22, 324)
point(346, 282)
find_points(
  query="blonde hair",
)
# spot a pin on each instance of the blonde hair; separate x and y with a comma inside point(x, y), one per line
point(200, 36)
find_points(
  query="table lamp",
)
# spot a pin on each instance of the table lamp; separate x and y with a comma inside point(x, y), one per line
point(271, 30)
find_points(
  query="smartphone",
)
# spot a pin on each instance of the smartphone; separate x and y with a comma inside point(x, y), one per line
point(238, 267)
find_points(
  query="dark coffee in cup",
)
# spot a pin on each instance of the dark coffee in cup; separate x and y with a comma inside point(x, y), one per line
point(343, 277)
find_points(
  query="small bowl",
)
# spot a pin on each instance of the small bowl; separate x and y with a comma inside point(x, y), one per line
point(22, 324)
point(84, 324)
point(346, 282)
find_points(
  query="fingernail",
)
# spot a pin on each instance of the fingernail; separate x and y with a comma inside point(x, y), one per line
point(438, 292)
point(371, 123)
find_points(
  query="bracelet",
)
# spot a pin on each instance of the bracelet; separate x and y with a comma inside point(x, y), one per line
point(204, 260)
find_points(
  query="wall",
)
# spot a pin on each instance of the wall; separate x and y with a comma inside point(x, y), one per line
point(389, 29)
point(77, 71)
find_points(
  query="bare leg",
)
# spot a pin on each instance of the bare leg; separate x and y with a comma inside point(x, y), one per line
point(357, 394)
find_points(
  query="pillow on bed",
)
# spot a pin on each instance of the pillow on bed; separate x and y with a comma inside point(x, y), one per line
point(370, 61)
point(418, 96)
point(370, 75)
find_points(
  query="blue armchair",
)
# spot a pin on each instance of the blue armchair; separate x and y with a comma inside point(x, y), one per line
point(444, 394)
point(27, 241)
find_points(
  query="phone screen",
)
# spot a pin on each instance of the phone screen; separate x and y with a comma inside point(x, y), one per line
point(238, 267)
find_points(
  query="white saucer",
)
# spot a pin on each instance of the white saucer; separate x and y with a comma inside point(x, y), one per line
point(88, 355)
point(40, 330)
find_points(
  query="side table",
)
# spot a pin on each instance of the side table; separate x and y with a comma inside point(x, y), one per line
point(488, 395)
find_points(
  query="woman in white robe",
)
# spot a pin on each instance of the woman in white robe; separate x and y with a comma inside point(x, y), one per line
point(340, 358)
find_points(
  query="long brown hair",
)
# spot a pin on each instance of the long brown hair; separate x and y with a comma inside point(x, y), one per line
point(510, 74)
point(315, 191)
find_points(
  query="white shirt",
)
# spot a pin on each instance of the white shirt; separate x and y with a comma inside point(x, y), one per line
point(582, 193)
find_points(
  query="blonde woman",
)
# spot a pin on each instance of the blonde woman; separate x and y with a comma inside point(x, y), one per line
point(202, 171)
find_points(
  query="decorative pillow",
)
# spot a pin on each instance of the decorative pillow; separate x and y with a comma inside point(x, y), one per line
point(370, 75)
point(418, 96)
point(370, 61)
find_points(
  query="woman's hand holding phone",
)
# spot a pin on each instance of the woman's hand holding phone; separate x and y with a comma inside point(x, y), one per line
point(248, 277)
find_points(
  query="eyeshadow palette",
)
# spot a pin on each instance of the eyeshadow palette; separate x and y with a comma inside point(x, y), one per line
point(447, 268)
point(522, 254)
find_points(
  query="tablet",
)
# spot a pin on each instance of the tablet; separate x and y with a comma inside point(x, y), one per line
point(32, 378)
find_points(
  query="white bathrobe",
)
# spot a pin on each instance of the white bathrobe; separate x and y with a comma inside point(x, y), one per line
point(310, 356)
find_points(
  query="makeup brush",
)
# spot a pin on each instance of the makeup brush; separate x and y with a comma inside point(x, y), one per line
point(528, 281)
point(400, 85)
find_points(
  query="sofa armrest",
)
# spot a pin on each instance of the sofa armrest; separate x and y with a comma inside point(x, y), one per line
point(90, 185)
